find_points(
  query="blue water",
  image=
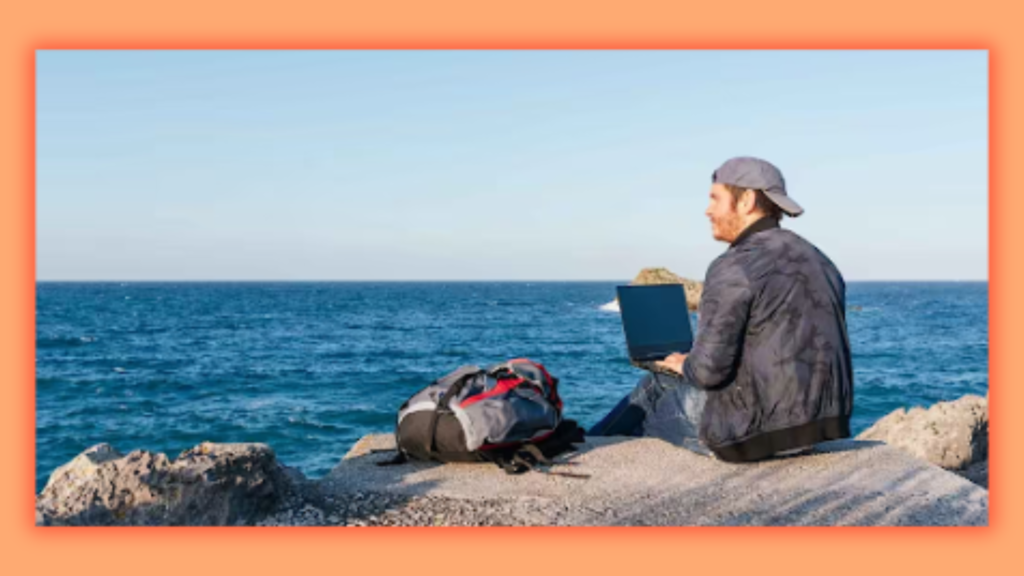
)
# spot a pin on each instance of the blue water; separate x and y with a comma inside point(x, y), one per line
point(310, 367)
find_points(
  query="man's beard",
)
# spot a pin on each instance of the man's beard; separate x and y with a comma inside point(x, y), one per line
point(728, 227)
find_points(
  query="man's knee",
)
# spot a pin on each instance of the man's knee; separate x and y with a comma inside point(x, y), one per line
point(646, 392)
point(652, 387)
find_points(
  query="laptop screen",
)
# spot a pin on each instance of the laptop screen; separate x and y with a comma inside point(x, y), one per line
point(655, 319)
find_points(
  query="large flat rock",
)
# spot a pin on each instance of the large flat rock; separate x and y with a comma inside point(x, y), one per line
point(644, 481)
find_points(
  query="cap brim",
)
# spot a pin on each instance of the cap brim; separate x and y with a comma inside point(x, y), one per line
point(787, 204)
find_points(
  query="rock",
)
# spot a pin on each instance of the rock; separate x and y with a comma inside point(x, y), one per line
point(693, 288)
point(648, 276)
point(209, 485)
point(977, 473)
point(645, 481)
point(952, 435)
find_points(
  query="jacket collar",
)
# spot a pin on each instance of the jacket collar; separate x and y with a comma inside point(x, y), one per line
point(764, 223)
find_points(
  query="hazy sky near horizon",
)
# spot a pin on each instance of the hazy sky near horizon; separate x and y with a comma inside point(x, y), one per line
point(497, 165)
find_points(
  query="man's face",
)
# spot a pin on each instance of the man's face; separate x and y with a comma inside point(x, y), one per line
point(726, 223)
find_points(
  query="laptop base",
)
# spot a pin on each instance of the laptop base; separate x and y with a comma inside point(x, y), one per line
point(652, 366)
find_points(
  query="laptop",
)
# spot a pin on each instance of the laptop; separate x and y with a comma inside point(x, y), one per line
point(656, 322)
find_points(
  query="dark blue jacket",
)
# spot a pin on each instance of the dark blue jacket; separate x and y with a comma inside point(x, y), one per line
point(771, 347)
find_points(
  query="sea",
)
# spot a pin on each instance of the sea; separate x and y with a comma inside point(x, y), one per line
point(310, 367)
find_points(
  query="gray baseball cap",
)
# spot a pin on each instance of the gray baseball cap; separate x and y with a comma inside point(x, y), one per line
point(759, 175)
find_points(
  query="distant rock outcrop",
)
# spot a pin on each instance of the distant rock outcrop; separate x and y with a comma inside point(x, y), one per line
point(953, 435)
point(693, 288)
point(209, 485)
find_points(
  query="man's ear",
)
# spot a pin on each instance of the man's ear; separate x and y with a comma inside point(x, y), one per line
point(747, 201)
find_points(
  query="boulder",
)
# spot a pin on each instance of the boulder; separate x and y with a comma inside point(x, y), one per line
point(628, 481)
point(952, 435)
point(208, 485)
point(977, 473)
point(648, 276)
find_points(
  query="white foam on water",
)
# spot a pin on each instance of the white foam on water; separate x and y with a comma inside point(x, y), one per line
point(612, 306)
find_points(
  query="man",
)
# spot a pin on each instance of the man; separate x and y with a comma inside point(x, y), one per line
point(769, 372)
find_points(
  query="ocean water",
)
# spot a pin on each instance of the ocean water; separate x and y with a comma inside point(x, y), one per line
point(310, 367)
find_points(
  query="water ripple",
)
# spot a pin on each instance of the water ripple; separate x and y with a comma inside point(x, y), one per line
point(310, 367)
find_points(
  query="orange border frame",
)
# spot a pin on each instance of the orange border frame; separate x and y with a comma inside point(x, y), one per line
point(644, 24)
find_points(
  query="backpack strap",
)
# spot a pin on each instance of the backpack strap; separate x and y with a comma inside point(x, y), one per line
point(562, 439)
point(443, 407)
point(529, 459)
point(536, 456)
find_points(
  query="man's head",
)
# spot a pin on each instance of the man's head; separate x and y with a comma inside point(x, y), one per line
point(744, 190)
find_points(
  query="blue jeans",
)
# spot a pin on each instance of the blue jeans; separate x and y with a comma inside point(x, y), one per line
point(661, 406)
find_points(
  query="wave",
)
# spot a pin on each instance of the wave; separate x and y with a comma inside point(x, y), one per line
point(64, 341)
point(353, 365)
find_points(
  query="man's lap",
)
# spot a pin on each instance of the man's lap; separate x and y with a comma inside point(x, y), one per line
point(677, 414)
point(666, 407)
point(660, 406)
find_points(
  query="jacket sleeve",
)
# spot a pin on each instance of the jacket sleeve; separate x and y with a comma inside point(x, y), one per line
point(724, 310)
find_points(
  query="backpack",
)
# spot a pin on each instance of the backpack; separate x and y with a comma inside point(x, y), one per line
point(509, 414)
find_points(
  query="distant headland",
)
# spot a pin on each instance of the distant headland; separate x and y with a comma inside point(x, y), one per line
point(649, 276)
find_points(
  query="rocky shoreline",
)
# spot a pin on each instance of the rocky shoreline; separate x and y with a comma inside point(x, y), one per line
point(244, 484)
point(238, 485)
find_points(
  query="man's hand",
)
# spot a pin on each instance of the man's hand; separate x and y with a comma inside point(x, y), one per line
point(673, 362)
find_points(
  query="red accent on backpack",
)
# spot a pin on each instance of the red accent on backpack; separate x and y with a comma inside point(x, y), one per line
point(502, 387)
point(550, 379)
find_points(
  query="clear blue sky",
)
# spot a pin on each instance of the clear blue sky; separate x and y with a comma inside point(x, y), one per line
point(393, 165)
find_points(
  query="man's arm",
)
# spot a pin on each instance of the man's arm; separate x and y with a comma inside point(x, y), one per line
point(724, 310)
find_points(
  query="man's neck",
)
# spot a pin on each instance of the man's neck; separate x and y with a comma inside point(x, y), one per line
point(760, 223)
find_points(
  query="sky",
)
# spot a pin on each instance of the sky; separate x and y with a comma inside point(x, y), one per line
point(498, 165)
